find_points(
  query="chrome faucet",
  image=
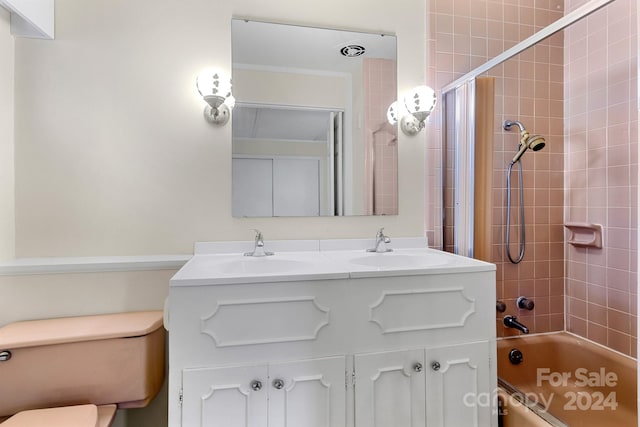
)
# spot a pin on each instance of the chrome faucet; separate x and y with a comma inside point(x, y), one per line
point(512, 322)
point(258, 250)
point(381, 243)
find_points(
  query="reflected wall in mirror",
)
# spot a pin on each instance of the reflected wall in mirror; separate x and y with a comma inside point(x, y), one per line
point(310, 134)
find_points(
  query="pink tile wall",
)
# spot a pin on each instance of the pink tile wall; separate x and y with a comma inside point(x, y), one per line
point(579, 90)
point(381, 148)
point(601, 173)
point(465, 34)
point(530, 90)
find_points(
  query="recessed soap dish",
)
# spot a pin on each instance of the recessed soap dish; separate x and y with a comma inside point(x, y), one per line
point(585, 235)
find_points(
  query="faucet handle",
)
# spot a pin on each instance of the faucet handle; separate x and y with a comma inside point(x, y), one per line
point(258, 250)
point(381, 236)
point(381, 242)
point(525, 303)
point(258, 234)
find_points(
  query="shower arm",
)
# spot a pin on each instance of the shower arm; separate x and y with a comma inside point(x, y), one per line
point(508, 123)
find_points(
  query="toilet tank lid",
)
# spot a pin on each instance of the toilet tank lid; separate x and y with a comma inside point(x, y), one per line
point(33, 333)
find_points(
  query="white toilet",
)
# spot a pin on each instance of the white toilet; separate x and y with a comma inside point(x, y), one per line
point(75, 371)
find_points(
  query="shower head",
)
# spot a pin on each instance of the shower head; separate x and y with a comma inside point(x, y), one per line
point(534, 142)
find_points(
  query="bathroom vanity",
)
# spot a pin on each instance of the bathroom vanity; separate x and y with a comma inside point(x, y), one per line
point(326, 334)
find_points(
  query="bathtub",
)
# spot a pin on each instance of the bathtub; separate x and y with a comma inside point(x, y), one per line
point(577, 382)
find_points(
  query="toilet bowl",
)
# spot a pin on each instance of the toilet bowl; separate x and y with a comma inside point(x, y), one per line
point(75, 372)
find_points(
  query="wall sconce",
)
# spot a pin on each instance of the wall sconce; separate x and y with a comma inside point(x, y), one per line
point(215, 88)
point(417, 104)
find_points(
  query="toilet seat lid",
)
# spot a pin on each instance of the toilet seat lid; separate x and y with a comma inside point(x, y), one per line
point(66, 416)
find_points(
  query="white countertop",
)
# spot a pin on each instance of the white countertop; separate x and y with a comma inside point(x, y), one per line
point(220, 263)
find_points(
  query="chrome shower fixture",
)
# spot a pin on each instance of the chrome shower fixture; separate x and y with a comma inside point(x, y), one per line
point(508, 123)
point(534, 142)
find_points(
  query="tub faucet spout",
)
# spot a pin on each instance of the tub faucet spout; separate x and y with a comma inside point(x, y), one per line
point(512, 322)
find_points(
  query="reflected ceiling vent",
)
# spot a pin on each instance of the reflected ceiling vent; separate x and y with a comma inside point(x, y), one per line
point(352, 51)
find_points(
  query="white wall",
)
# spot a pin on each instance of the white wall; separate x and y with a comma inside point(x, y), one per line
point(60, 295)
point(113, 156)
point(7, 211)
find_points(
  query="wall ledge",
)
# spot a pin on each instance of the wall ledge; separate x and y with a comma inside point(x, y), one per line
point(61, 265)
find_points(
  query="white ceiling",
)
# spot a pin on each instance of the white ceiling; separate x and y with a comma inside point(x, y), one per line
point(288, 46)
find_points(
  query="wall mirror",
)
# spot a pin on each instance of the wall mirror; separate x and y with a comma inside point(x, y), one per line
point(310, 134)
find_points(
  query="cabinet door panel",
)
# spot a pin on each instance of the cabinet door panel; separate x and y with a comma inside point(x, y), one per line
point(390, 389)
point(224, 397)
point(457, 391)
point(311, 393)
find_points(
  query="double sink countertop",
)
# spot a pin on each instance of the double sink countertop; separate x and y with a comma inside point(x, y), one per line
point(223, 263)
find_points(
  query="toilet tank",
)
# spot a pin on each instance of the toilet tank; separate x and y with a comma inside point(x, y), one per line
point(105, 359)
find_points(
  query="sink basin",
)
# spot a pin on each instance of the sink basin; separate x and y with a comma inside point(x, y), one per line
point(230, 268)
point(223, 268)
point(262, 265)
point(394, 260)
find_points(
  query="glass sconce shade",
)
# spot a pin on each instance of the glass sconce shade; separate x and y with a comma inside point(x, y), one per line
point(418, 104)
point(215, 88)
point(420, 101)
point(392, 113)
point(396, 112)
point(214, 82)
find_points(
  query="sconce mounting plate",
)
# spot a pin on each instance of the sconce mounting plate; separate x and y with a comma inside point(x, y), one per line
point(410, 125)
point(217, 116)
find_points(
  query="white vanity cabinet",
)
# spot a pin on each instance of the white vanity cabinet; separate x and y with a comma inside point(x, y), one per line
point(304, 393)
point(407, 349)
point(418, 388)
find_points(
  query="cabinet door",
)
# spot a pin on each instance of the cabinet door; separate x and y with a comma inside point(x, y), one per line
point(308, 393)
point(229, 397)
point(390, 389)
point(459, 386)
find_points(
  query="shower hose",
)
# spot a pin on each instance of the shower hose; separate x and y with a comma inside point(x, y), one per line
point(508, 228)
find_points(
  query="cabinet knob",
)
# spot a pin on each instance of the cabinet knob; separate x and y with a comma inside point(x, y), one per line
point(5, 355)
point(417, 367)
point(278, 384)
point(256, 385)
point(435, 366)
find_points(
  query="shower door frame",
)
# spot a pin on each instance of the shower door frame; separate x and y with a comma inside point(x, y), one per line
point(463, 139)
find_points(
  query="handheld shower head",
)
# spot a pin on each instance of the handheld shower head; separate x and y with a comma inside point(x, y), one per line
point(535, 142)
